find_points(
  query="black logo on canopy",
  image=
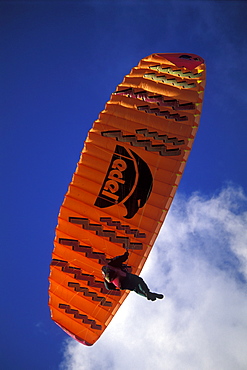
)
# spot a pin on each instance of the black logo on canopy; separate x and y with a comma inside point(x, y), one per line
point(128, 181)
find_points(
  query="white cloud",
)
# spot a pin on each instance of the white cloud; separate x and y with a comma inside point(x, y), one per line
point(200, 263)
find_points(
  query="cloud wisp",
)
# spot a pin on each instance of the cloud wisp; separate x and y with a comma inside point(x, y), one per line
point(200, 263)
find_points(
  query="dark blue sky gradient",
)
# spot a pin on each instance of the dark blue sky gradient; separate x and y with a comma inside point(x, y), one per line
point(60, 61)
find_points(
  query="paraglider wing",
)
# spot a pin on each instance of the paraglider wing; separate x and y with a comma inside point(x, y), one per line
point(127, 176)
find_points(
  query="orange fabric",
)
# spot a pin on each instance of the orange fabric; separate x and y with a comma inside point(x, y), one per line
point(128, 173)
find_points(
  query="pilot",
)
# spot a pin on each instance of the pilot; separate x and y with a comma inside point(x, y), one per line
point(117, 276)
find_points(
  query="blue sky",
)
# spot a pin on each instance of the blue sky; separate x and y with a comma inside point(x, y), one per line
point(60, 62)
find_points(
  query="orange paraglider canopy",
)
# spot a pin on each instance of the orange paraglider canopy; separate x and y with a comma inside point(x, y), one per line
point(127, 176)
